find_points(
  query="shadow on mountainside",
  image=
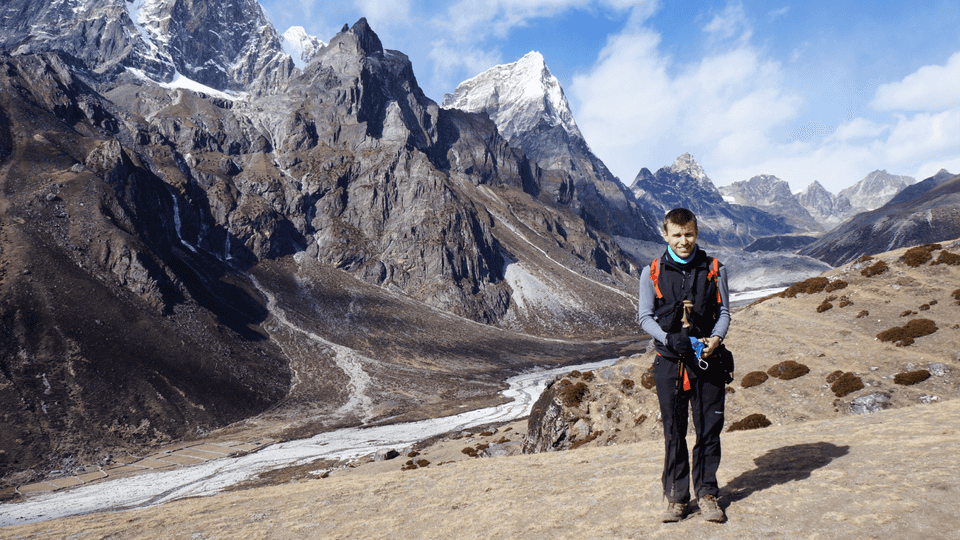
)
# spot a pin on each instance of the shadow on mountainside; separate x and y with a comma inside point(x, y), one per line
point(782, 465)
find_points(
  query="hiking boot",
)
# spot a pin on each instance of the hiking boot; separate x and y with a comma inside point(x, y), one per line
point(674, 512)
point(710, 509)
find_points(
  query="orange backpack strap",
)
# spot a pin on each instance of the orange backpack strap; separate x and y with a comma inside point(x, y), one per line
point(655, 276)
point(714, 274)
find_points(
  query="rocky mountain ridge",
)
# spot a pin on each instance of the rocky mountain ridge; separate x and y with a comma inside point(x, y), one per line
point(925, 212)
point(228, 45)
point(341, 252)
point(722, 224)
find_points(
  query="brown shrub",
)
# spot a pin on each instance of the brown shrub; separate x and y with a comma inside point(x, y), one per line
point(587, 376)
point(640, 419)
point(808, 286)
point(908, 313)
point(932, 302)
point(730, 390)
point(752, 379)
point(788, 369)
point(948, 258)
point(924, 307)
point(486, 433)
point(844, 302)
point(846, 384)
point(585, 440)
point(876, 269)
point(956, 295)
point(422, 463)
point(911, 377)
point(863, 314)
point(835, 285)
point(627, 384)
point(834, 376)
point(573, 394)
point(753, 421)
point(919, 255)
point(647, 380)
point(824, 307)
point(765, 298)
point(575, 374)
point(865, 258)
point(903, 335)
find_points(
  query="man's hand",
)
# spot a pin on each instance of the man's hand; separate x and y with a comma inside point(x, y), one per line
point(710, 345)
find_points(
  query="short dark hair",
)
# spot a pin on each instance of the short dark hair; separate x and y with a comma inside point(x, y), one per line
point(680, 217)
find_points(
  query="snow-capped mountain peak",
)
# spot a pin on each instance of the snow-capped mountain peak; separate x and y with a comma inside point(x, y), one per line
point(518, 97)
point(686, 164)
point(300, 45)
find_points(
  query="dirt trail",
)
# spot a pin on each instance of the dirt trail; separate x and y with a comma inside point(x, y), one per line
point(892, 474)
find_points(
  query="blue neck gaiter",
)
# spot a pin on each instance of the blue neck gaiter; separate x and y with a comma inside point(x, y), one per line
point(678, 259)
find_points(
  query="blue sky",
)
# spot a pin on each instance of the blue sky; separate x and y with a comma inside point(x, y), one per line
point(823, 90)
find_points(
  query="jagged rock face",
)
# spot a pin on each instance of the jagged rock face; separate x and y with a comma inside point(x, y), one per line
point(226, 45)
point(828, 209)
point(530, 110)
point(772, 195)
point(685, 184)
point(875, 190)
point(114, 338)
point(931, 216)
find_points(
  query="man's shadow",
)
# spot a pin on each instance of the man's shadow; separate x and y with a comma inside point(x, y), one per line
point(781, 465)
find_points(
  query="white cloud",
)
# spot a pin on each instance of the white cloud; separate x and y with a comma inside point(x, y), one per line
point(382, 15)
point(930, 88)
point(732, 109)
point(475, 20)
point(731, 22)
point(722, 108)
point(451, 62)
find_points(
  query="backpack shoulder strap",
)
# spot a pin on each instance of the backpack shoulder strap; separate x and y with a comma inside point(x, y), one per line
point(655, 276)
point(714, 274)
point(714, 269)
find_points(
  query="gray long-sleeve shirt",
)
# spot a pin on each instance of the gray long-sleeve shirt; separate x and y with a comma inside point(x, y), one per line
point(648, 294)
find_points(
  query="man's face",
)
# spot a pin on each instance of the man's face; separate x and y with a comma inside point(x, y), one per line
point(681, 238)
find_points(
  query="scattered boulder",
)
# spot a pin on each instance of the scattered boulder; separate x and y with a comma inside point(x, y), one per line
point(870, 403)
point(503, 449)
point(385, 455)
point(938, 369)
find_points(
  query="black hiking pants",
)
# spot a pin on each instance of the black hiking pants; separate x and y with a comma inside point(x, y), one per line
point(705, 400)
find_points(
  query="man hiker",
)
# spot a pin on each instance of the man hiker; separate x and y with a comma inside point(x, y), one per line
point(684, 295)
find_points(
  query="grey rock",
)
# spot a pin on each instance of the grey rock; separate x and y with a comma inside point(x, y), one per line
point(870, 403)
point(938, 369)
point(503, 449)
point(385, 455)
